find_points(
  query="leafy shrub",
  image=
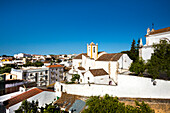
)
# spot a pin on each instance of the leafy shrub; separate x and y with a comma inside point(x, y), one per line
point(109, 104)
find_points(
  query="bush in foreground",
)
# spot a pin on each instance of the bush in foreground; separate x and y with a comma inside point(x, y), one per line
point(109, 104)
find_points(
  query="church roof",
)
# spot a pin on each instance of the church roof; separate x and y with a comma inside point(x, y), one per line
point(110, 57)
point(80, 56)
point(98, 72)
point(160, 31)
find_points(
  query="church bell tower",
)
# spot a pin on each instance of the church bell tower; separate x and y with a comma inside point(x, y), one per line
point(92, 50)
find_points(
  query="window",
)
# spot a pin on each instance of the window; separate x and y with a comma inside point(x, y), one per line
point(25, 74)
point(88, 78)
point(10, 76)
point(94, 49)
point(31, 74)
point(46, 71)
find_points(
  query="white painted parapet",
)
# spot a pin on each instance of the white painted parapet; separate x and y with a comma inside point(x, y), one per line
point(128, 86)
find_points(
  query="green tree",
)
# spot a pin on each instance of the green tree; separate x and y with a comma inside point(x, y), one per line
point(7, 68)
point(37, 64)
point(109, 104)
point(133, 53)
point(75, 77)
point(138, 67)
point(160, 60)
point(28, 107)
point(32, 107)
point(58, 60)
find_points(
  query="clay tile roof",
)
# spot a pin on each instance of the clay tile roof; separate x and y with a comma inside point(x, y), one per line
point(83, 73)
point(160, 31)
point(66, 100)
point(80, 56)
point(110, 57)
point(81, 68)
point(98, 72)
point(23, 96)
point(46, 62)
point(54, 66)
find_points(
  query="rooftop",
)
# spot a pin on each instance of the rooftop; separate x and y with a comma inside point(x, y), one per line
point(23, 96)
point(51, 66)
point(81, 68)
point(160, 31)
point(98, 72)
point(110, 57)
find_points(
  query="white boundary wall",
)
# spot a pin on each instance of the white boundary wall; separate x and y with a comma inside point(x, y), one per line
point(128, 86)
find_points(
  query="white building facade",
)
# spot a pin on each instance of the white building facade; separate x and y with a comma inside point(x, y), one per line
point(43, 76)
point(153, 37)
point(113, 63)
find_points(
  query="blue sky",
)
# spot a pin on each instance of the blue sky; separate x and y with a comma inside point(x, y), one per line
point(66, 26)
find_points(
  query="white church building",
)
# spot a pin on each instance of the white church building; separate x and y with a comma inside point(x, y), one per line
point(153, 37)
point(99, 67)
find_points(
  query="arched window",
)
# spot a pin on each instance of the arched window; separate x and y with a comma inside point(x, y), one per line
point(94, 49)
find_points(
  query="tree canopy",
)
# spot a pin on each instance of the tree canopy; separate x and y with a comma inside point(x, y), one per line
point(75, 77)
point(138, 67)
point(160, 59)
point(133, 53)
point(109, 104)
point(32, 107)
point(37, 64)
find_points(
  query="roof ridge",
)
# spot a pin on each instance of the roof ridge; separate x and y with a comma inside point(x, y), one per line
point(12, 101)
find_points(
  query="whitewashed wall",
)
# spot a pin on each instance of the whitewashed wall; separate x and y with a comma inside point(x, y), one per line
point(17, 72)
point(128, 86)
point(87, 62)
point(147, 53)
point(76, 62)
point(124, 62)
point(155, 38)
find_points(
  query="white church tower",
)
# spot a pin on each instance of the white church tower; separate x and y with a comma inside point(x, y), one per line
point(92, 50)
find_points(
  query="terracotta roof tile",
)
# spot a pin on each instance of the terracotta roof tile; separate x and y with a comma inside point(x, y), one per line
point(23, 96)
point(66, 100)
point(80, 56)
point(54, 66)
point(98, 72)
point(81, 68)
point(160, 31)
point(110, 57)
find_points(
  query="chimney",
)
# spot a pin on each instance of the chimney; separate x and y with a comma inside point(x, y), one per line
point(148, 31)
point(152, 30)
point(140, 43)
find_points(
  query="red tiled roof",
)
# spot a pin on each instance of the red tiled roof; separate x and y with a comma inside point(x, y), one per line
point(160, 31)
point(80, 56)
point(81, 68)
point(66, 100)
point(46, 62)
point(55, 66)
point(110, 57)
point(23, 96)
point(98, 72)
